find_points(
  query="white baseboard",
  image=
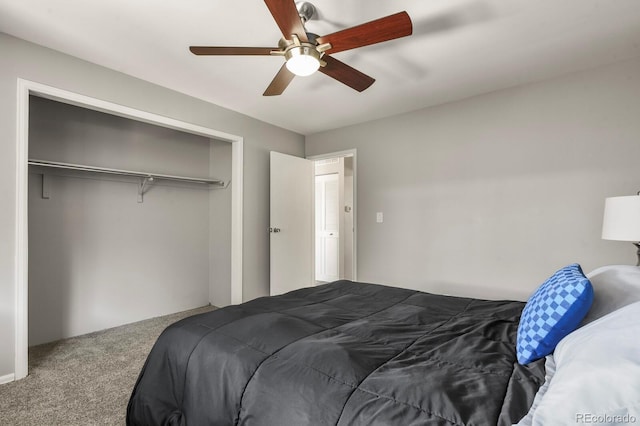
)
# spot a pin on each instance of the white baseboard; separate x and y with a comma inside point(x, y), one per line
point(8, 378)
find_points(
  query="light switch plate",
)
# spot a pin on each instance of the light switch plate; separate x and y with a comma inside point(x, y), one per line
point(379, 217)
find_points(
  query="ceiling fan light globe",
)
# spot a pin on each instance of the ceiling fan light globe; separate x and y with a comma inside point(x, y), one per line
point(303, 65)
point(302, 60)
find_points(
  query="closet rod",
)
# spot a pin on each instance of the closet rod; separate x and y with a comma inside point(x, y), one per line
point(80, 167)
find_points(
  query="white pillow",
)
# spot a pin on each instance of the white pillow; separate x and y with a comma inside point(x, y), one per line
point(613, 287)
point(597, 377)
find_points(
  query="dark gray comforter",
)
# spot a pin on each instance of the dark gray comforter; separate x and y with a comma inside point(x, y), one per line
point(344, 353)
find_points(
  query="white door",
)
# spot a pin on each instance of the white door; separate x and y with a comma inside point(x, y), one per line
point(328, 227)
point(291, 223)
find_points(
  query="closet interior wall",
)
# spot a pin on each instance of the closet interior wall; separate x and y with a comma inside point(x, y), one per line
point(98, 258)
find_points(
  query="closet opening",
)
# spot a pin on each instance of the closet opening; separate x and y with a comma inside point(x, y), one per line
point(127, 221)
point(122, 216)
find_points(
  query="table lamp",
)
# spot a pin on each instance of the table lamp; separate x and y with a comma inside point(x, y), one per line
point(622, 220)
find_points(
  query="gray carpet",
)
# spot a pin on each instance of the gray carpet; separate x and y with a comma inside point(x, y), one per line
point(84, 380)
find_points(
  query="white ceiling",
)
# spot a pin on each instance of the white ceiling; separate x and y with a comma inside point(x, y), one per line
point(459, 48)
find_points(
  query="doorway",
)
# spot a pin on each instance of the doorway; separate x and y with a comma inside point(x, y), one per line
point(334, 218)
point(294, 243)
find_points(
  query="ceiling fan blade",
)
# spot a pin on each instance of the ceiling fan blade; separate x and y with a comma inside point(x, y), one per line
point(383, 29)
point(279, 82)
point(286, 16)
point(346, 74)
point(214, 50)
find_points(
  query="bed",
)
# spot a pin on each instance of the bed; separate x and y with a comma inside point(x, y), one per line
point(345, 353)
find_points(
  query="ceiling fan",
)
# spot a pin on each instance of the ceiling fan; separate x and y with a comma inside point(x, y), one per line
point(306, 53)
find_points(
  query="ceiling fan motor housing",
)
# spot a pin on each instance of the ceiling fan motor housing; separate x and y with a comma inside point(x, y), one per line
point(306, 10)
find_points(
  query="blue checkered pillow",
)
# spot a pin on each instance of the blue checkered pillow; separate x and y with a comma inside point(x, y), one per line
point(552, 312)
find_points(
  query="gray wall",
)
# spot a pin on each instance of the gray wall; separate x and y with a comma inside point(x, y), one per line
point(488, 196)
point(20, 59)
point(97, 257)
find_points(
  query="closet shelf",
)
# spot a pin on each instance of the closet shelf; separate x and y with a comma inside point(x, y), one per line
point(144, 175)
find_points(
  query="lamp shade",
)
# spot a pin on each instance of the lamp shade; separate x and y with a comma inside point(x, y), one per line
point(621, 218)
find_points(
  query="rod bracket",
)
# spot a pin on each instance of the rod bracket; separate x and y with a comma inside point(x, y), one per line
point(46, 186)
point(144, 187)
